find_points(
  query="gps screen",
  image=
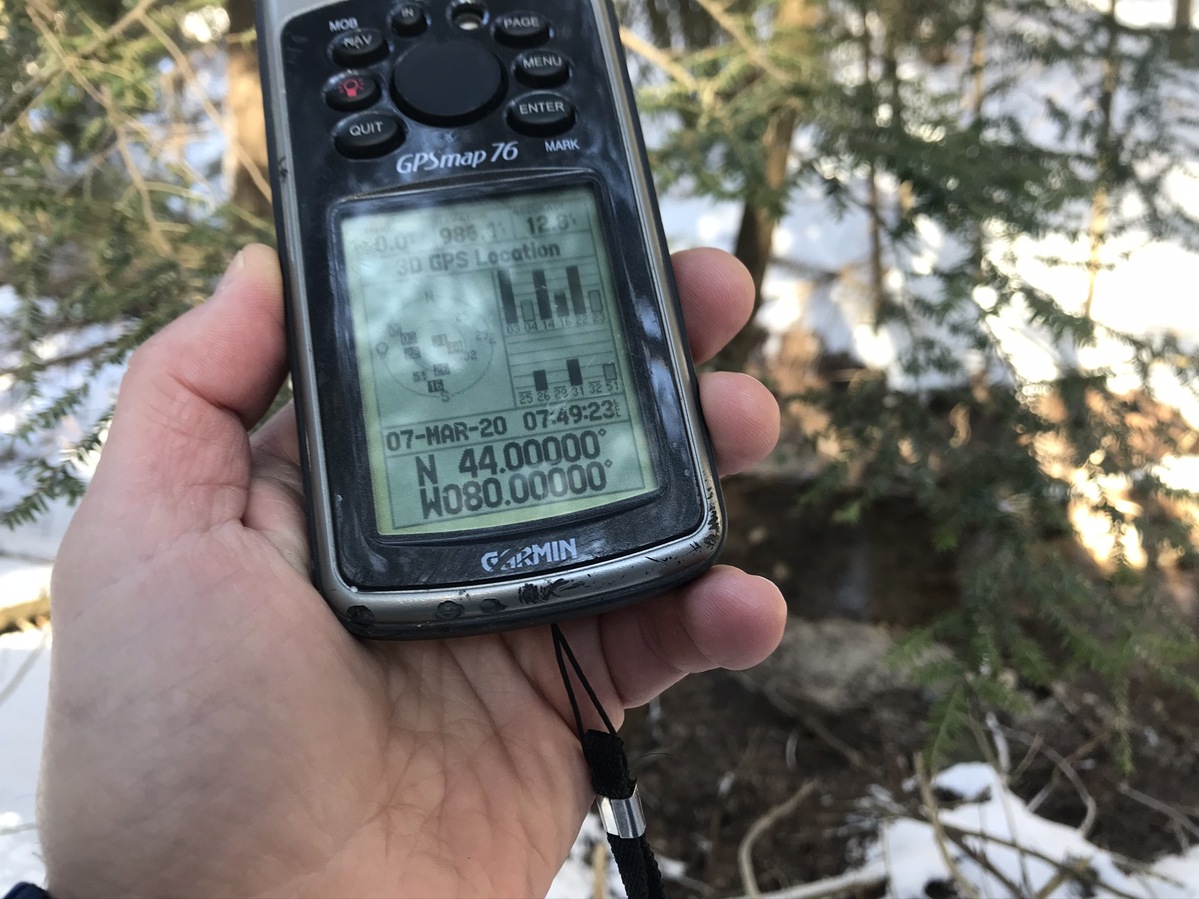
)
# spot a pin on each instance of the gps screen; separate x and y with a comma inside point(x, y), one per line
point(494, 369)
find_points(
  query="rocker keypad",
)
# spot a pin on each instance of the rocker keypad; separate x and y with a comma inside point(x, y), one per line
point(442, 79)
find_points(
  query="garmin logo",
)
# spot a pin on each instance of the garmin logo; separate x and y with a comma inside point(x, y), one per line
point(529, 556)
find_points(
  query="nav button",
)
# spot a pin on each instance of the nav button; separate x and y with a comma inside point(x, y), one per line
point(368, 135)
point(359, 47)
point(541, 113)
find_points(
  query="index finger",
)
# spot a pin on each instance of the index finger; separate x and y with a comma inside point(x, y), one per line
point(717, 295)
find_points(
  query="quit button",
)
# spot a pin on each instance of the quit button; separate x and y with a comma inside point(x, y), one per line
point(541, 113)
point(368, 135)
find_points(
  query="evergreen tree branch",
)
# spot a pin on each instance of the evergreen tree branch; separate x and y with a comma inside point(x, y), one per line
point(180, 58)
point(138, 182)
point(751, 47)
point(90, 353)
point(658, 58)
point(29, 94)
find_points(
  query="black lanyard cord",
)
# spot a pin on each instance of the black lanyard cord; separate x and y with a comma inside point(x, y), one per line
point(615, 789)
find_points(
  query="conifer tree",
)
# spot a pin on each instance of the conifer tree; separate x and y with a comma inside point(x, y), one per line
point(958, 159)
point(112, 215)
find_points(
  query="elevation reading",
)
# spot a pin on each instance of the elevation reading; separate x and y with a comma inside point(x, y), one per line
point(494, 369)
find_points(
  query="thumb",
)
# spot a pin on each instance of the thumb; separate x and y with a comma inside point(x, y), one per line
point(178, 450)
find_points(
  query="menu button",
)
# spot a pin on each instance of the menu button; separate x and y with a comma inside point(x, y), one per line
point(542, 68)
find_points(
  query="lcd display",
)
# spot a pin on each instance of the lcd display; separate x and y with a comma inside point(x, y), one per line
point(495, 375)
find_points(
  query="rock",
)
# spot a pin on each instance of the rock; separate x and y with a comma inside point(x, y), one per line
point(834, 664)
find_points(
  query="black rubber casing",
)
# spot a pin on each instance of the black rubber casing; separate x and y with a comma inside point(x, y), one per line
point(435, 585)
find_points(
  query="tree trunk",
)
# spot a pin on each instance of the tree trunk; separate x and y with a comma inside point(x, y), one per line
point(978, 95)
point(1104, 150)
point(878, 287)
point(1180, 36)
point(245, 160)
point(755, 236)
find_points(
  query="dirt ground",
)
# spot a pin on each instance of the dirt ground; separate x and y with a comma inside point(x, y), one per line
point(716, 752)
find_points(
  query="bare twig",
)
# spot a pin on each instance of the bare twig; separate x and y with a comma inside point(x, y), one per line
point(1077, 869)
point(867, 878)
point(658, 57)
point(26, 96)
point(1029, 757)
point(933, 811)
point(87, 354)
point(42, 18)
point(1067, 770)
point(851, 755)
point(599, 870)
point(210, 110)
point(22, 672)
point(138, 182)
point(998, 755)
point(1003, 754)
point(1180, 820)
point(745, 862)
point(751, 46)
point(1087, 875)
point(981, 859)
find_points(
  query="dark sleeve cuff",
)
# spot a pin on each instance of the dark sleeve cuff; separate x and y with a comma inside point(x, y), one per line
point(26, 891)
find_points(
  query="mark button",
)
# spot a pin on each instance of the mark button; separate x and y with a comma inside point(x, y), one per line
point(541, 113)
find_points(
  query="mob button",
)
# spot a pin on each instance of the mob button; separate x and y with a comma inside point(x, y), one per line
point(540, 113)
point(368, 135)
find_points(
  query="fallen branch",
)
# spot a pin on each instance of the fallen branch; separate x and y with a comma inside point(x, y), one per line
point(1179, 819)
point(933, 811)
point(980, 858)
point(745, 862)
point(599, 870)
point(817, 729)
point(1063, 765)
point(1088, 877)
point(865, 879)
point(23, 671)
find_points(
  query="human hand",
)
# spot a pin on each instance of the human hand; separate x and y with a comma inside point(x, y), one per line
point(212, 729)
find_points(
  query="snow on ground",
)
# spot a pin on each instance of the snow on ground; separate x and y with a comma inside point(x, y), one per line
point(909, 850)
point(906, 850)
point(24, 680)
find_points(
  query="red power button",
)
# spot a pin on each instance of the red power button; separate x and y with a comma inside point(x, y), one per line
point(352, 90)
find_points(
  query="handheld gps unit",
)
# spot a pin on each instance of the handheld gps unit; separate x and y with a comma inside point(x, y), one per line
point(497, 409)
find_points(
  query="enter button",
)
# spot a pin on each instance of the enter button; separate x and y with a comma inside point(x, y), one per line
point(541, 113)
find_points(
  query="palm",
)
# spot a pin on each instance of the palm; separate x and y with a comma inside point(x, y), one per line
point(476, 769)
point(212, 730)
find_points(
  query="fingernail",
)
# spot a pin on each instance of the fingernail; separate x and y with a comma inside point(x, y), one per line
point(235, 266)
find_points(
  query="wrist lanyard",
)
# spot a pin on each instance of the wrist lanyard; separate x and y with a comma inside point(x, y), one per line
point(615, 789)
